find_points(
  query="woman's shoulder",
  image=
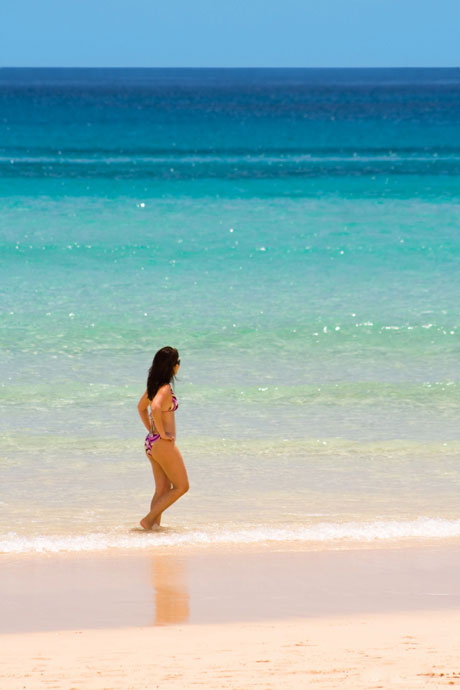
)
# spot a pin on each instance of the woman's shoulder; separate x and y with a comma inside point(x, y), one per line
point(164, 390)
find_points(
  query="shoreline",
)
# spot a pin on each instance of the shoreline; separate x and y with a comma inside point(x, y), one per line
point(154, 541)
point(229, 547)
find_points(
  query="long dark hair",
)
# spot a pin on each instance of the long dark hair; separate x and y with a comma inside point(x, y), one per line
point(162, 370)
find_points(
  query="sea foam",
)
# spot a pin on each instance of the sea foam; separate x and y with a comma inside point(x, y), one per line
point(332, 534)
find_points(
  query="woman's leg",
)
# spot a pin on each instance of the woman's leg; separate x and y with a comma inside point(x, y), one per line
point(168, 456)
point(162, 484)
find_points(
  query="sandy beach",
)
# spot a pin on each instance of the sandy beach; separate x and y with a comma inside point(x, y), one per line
point(404, 650)
point(362, 618)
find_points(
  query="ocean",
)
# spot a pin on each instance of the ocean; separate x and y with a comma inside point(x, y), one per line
point(295, 234)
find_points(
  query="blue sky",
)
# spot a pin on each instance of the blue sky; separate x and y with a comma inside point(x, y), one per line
point(229, 33)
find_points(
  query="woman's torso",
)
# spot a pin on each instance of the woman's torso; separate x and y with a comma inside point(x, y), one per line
point(167, 415)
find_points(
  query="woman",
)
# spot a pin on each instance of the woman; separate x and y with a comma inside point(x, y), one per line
point(171, 481)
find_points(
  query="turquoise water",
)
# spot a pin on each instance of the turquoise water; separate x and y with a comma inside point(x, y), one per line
point(295, 234)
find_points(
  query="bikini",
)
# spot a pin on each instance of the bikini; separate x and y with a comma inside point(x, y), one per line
point(153, 436)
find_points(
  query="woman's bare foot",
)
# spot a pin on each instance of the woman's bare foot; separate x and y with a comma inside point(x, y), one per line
point(143, 523)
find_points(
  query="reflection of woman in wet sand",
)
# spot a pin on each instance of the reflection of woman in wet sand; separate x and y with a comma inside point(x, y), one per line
point(170, 587)
point(156, 409)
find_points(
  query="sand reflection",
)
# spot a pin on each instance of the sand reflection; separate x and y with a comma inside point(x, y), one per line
point(172, 599)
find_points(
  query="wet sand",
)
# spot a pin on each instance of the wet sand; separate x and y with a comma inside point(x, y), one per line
point(147, 588)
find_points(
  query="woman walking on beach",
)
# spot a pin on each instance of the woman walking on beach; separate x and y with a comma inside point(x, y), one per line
point(156, 409)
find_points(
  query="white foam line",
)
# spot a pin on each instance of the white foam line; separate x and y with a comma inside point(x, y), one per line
point(421, 528)
point(227, 159)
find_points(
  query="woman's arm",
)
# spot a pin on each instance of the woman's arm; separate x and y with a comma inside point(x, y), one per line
point(162, 399)
point(142, 408)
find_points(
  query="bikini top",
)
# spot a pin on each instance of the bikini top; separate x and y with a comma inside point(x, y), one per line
point(173, 408)
point(175, 402)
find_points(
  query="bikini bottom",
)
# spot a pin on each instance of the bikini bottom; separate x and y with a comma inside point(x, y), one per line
point(149, 441)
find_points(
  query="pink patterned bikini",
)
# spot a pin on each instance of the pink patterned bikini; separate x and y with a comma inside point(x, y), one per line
point(153, 436)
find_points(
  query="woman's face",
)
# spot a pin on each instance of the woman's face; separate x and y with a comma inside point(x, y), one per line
point(176, 367)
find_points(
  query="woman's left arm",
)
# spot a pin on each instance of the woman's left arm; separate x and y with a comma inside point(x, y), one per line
point(142, 408)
